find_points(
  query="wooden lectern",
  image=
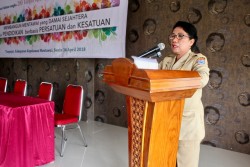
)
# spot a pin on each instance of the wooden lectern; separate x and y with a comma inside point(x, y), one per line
point(155, 100)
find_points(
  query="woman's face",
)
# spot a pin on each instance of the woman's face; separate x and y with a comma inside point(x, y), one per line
point(180, 42)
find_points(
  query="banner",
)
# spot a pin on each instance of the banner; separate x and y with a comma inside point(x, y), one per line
point(63, 28)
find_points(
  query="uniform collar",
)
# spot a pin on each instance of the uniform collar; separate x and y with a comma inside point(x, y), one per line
point(181, 61)
point(184, 57)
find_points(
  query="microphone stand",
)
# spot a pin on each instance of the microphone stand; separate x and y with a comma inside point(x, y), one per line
point(158, 54)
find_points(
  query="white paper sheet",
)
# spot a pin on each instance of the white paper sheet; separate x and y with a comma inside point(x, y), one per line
point(145, 63)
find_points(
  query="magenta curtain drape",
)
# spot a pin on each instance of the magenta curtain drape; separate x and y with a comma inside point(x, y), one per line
point(26, 131)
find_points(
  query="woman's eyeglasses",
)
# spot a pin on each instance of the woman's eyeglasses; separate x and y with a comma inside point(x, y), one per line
point(178, 36)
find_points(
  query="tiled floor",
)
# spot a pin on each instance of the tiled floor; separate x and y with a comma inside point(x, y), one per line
point(107, 147)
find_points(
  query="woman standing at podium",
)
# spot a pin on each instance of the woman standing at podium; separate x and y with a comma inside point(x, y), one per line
point(186, 56)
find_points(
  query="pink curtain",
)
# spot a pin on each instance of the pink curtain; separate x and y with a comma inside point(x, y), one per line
point(26, 131)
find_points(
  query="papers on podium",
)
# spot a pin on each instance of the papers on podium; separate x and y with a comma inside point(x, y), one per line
point(145, 63)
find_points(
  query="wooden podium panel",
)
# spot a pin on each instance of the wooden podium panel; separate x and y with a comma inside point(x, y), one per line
point(155, 100)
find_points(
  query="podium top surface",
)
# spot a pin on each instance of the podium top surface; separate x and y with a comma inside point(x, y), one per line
point(123, 74)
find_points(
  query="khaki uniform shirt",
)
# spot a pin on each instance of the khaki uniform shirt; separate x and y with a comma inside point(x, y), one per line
point(192, 126)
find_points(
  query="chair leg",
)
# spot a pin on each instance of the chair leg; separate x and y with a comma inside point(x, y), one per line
point(84, 140)
point(63, 142)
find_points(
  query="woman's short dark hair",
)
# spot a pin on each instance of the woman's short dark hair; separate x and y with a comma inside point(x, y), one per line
point(191, 31)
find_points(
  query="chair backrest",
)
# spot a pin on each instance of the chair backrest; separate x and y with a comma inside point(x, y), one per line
point(73, 100)
point(20, 87)
point(45, 90)
point(3, 84)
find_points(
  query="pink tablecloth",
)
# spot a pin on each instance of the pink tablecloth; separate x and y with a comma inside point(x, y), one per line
point(26, 131)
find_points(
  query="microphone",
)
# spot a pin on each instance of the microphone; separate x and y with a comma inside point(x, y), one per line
point(155, 50)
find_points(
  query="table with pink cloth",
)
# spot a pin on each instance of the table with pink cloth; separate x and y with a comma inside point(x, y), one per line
point(26, 131)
